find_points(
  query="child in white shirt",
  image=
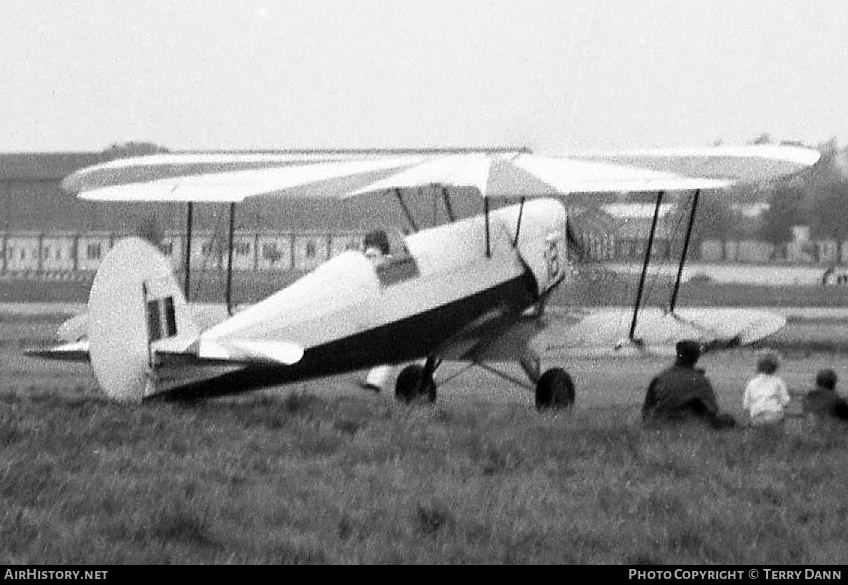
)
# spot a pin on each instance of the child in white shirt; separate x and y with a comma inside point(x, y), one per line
point(765, 395)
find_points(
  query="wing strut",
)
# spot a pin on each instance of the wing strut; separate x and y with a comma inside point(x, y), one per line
point(692, 212)
point(448, 207)
point(486, 211)
point(406, 210)
point(229, 292)
point(645, 267)
point(518, 224)
point(189, 219)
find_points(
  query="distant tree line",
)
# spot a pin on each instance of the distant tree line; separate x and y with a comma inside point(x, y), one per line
point(817, 198)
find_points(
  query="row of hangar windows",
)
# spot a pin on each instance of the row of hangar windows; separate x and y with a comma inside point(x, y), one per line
point(27, 252)
point(83, 252)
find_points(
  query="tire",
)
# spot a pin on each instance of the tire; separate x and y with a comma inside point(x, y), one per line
point(409, 387)
point(554, 390)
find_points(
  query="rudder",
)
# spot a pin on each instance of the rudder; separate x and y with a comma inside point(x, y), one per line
point(135, 304)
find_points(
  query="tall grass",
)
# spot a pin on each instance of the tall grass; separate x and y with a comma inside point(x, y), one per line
point(307, 480)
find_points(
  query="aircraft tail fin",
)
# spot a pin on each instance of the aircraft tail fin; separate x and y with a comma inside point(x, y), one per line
point(135, 306)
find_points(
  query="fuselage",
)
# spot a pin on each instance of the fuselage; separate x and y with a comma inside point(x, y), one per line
point(450, 284)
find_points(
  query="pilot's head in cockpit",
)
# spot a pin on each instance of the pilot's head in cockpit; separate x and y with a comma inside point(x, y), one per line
point(376, 244)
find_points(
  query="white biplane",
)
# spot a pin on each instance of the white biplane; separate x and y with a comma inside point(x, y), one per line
point(469, 290)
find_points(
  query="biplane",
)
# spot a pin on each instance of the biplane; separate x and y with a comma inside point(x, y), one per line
point(472, 289)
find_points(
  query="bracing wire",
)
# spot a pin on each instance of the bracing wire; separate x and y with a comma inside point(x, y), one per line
point(624, 316)
point(652, 279)
point(675, 233)
point(652, 283)
point(212, 242)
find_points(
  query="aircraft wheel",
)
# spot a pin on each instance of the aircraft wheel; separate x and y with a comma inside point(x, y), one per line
point(555, 389)
point(410, 385)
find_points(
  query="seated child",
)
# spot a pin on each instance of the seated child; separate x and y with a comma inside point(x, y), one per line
point(765, 395)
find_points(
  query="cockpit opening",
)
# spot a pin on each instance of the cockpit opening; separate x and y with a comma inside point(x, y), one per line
point(391, 266)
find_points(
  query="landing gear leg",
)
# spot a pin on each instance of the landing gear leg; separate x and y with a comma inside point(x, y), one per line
point(531, 363)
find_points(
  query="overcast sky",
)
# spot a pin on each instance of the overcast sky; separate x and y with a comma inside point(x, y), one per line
point(574, 75)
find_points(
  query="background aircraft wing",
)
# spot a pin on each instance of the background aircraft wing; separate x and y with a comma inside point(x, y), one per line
point(234, 177)
point(605, 331)
point(508, 344)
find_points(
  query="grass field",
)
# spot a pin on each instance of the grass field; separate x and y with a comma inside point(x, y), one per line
point(307, 480)
point(324, 473)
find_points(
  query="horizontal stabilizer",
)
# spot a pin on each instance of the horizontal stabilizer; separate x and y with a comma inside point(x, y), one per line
point(250, 351)
point(76, 351)
point(169, 352)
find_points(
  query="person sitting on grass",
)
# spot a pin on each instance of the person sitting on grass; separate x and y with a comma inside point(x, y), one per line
point(766, 396)
point(682, 392)
point(824, 403)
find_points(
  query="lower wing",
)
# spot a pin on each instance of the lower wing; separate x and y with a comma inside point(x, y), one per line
point(585, 332)
point(605, 331)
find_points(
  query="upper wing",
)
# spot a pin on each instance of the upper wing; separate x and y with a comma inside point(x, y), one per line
point(734, 164)
point(660, 170)
point(228, 178)
point(234, 177)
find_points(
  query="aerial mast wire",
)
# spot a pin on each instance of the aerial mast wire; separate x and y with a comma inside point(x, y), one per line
point(189, 221)
point(229, 290)
point(486, 212)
